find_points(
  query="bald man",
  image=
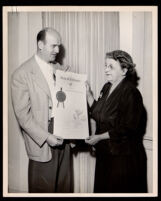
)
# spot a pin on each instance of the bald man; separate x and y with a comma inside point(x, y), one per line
point(50, 161)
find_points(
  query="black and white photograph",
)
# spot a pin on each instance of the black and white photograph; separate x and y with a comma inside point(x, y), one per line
point(80, 88)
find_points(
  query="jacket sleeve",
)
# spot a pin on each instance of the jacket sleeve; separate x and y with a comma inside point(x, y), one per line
point(22, 107)
point(102, 93)
point(130, 111)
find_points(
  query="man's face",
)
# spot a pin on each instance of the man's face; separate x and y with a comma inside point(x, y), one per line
point(50, 47)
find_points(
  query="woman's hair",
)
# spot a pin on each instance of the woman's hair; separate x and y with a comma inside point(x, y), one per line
point(125, 61)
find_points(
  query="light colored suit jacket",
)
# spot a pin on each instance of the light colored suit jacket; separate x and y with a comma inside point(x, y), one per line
point(32, 104)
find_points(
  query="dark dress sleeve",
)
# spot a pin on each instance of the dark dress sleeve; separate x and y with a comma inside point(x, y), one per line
point(103, 93)
point(129, 120)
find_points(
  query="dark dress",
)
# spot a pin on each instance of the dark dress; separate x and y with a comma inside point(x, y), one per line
point(121, 162)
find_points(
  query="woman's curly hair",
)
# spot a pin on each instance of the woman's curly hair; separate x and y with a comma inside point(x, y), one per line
point(125, 61)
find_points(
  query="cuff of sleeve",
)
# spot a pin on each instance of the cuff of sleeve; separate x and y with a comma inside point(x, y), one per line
point(43, 140)
point(114, 135)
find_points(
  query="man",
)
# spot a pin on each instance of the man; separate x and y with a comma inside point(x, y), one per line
point(32, 85)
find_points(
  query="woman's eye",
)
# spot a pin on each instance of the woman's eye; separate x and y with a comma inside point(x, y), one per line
point(110, 66)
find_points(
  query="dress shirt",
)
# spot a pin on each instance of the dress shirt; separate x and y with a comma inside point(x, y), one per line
point(48, 71)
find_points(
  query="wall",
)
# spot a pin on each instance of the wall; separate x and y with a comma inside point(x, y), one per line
point(142, 45)
point(136, 38)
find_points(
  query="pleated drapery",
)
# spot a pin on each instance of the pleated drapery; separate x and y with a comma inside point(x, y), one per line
point(86, 37)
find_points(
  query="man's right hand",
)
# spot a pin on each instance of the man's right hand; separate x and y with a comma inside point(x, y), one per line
point(54, 140)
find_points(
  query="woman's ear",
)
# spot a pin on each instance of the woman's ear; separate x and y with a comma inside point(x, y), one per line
point(124, 71)
point(40, 44)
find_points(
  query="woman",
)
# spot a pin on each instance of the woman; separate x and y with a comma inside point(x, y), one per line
point(120, 125)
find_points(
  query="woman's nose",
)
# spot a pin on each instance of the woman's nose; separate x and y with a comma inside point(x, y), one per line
point(106, 69)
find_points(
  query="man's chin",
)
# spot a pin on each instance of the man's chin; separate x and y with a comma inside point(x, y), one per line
point(52, 60)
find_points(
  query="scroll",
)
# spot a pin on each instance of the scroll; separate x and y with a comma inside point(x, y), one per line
point(70, 106)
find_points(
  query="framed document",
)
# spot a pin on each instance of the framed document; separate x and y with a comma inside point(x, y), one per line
point(70, 106)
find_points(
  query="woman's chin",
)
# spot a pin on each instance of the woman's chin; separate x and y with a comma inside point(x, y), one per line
point(108, 80)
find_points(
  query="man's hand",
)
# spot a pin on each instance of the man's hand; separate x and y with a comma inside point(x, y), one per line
point(54, 140)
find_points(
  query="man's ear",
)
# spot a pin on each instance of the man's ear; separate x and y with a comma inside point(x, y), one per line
point(124, 70)
point(40, 44)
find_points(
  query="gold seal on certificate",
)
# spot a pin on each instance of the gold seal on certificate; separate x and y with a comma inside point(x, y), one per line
point(60, 95)
point(70, 106)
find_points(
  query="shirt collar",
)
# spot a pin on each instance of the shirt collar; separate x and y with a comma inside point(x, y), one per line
point(43, 64)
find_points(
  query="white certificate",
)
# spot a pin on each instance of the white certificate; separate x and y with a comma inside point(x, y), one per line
point(70, 106)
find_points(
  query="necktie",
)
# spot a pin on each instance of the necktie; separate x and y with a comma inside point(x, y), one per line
point(54, 76)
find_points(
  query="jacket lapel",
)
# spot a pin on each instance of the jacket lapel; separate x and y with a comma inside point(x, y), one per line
point(39, 78)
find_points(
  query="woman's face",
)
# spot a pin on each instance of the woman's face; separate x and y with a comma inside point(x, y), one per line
point(113, 70)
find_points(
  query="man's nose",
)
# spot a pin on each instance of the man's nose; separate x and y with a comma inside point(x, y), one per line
point(56, 49)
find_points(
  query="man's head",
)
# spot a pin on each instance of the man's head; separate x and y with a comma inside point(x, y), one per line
point(48, 42)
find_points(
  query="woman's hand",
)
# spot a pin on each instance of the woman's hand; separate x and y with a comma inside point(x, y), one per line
point(66, 68)
point(94, 139)
point(89, 94)
point(88, 89)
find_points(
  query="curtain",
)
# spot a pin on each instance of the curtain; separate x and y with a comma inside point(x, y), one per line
point(22, 30)
point(86, 37)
